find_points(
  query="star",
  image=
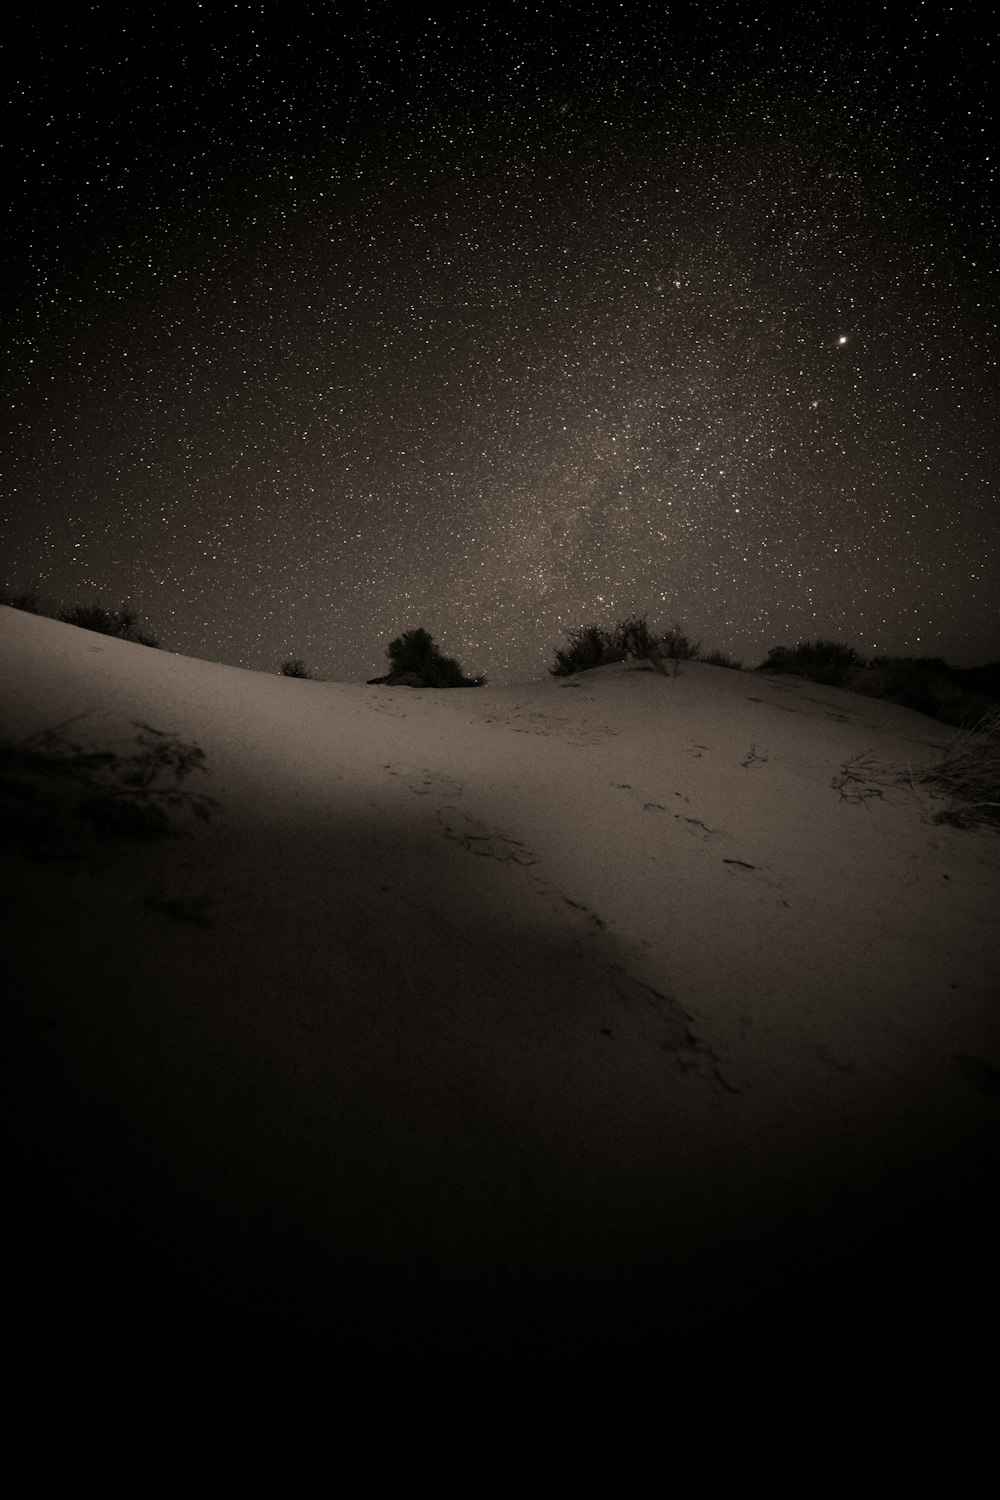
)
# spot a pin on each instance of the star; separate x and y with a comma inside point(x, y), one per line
point(441, 330)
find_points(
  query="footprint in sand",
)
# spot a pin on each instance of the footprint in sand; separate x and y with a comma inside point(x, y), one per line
point(699, 829)
point(456, 824)
point(706, 835)
point(674, 1027)
point(424, 783)
point(478, 838)
point(574, 732)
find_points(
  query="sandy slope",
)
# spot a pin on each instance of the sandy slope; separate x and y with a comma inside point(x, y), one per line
point(498, 1042)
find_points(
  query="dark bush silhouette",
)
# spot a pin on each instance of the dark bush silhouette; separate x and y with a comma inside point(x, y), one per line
point(928, 685)
point(676, 647)
point(588, 647)
point(122, 623)
point(293, 667)
point(416, 661)
point(30, 602)
point(917, 685)
point(984, 679)
point(630, 639)
point(829, 662)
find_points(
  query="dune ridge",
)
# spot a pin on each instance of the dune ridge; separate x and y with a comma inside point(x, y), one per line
point(494, 1041)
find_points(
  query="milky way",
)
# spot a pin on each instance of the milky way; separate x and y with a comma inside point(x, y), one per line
point(321, 325)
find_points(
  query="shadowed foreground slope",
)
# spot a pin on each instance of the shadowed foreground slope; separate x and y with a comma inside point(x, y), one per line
point(540, 1043)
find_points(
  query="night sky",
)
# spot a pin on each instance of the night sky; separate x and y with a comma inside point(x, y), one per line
point(321, 323)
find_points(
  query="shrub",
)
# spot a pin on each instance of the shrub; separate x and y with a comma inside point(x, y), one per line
point(293, 667)
point(910, 684)
point(30, 602)
point(969, 773)
point(588, 647)
point(416, 661)
point(961, 708)
point(984, 680)
point(926, 684)
point(677, 648)
point(632, 638)
point(121, 623)
point(720, 659)
point(829, 662)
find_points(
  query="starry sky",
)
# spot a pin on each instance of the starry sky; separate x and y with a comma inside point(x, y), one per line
point(322, 322)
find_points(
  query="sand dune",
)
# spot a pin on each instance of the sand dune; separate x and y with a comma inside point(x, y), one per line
point(514, 1043)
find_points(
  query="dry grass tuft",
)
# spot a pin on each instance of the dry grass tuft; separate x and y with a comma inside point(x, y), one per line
point(969, 773)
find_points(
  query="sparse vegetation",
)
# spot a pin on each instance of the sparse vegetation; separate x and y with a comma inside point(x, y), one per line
point(677, 648)
point(60, 799)
point(960, 696)
point(829, 662)
point(861, 778)
point(29, 602)
point(122, 623)
point(293, 667)
point(969, 774)
point(720, 659)
point(631, 639)
point(588, 647)
point(926, 684)
point(416, 661)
